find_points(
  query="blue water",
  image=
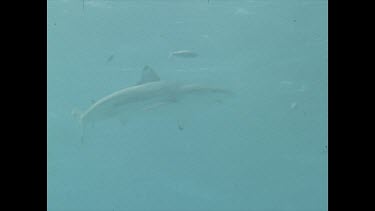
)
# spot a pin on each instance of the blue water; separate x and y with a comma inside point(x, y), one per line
point(263, 149)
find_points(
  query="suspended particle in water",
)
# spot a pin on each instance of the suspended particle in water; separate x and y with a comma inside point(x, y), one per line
point(293, 105)
point(286, 83)
point(302, 88)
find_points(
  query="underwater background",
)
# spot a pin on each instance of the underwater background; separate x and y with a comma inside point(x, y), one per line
point(263, 149)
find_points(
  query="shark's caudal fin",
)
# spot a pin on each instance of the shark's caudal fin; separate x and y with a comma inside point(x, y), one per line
point(148, 75)
point(78, 115)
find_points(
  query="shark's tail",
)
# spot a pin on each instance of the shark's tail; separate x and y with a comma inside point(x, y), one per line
point(78, 115)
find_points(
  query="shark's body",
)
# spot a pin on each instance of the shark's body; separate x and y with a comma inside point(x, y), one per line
point(147, 94)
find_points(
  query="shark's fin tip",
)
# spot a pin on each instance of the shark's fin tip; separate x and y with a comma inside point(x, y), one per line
point(148, 75)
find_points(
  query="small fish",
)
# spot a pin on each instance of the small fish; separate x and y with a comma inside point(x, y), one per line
point(183, 54)
point(110, 58)
point(180, 127)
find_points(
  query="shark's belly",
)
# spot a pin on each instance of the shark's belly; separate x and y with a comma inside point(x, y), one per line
point(130, 101)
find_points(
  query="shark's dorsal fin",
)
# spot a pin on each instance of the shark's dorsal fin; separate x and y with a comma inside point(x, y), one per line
point(148, 75)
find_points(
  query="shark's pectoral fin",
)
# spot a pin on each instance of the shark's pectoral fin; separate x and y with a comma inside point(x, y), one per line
point(167, 101)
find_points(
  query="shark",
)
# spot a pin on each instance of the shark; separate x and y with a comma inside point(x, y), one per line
point(149, 93)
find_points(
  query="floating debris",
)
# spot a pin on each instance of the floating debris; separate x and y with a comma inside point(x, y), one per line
point(293, 105)
point(183, 54)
